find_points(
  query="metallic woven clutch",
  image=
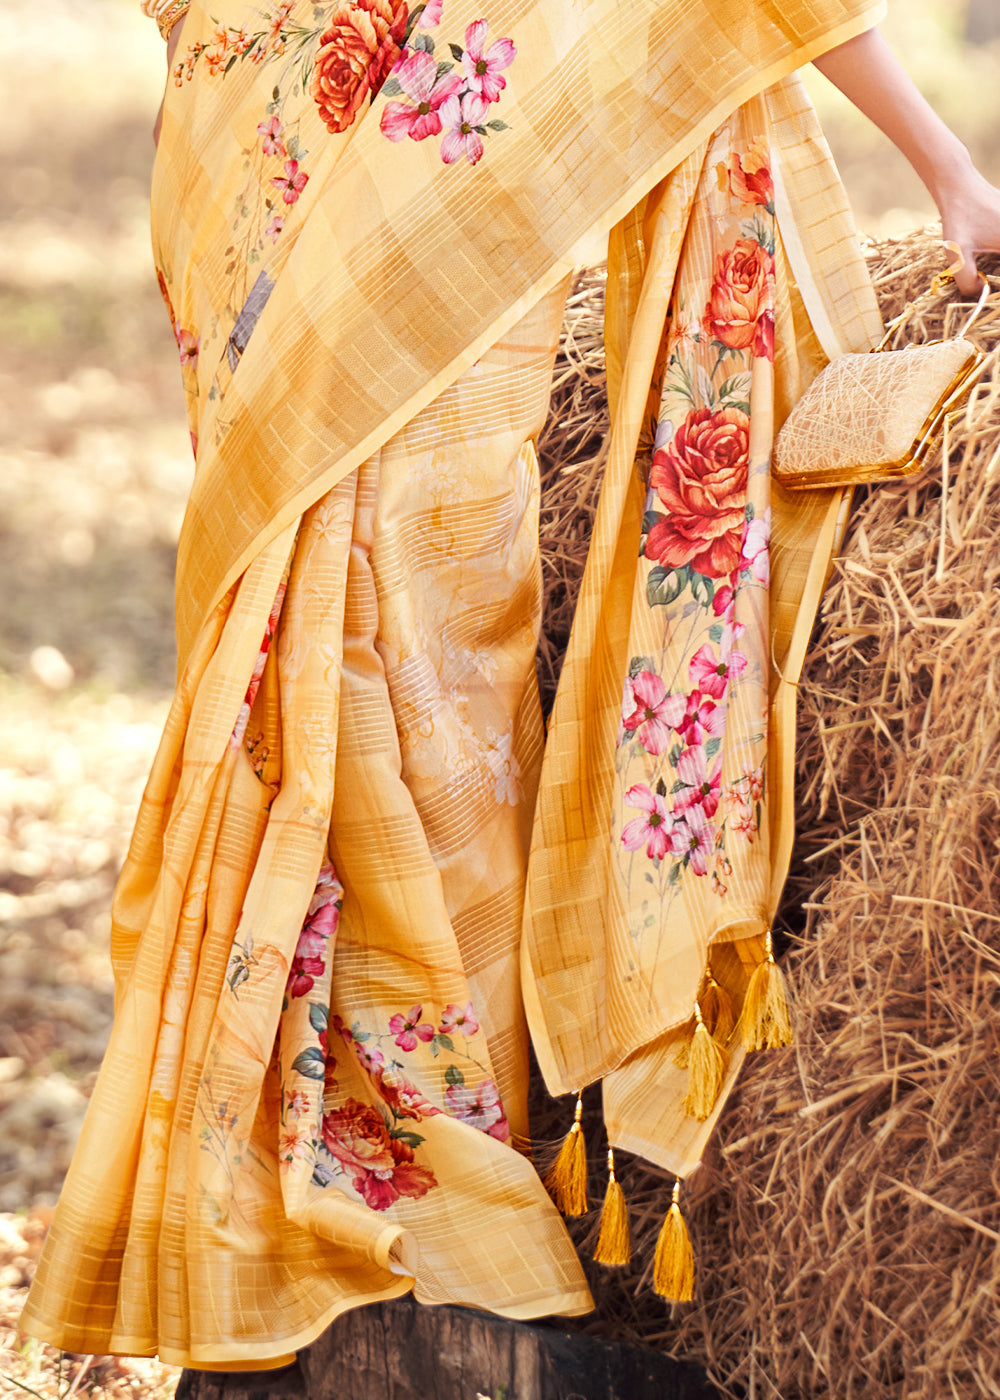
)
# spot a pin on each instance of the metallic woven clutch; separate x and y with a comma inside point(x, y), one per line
point(874, 417)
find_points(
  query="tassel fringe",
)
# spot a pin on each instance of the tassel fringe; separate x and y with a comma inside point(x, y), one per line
point(706, 1070)
point(566, 1181)
point(673, 1266)
point(717, 1009)
point(614, 1243)
point(765, 1021)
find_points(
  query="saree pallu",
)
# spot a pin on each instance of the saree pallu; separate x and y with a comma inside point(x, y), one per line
point(314, 1093)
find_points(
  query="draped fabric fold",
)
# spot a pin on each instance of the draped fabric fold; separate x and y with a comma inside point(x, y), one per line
point(364, 216)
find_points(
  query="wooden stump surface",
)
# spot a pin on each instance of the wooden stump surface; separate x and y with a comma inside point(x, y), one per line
point(404, 1351)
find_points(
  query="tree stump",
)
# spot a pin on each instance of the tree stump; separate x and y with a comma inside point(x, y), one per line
point(404, 1351)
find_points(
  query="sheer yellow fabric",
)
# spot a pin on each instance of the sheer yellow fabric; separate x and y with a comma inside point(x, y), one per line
point(314, 1093)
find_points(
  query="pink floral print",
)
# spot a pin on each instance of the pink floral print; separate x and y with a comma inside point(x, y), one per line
point(459, 1019)
point(270, 134)
point(419, 118)
point(652, 829)
point(649, 712)
point(484, 67)
point(479, 1107)
point(446, 98)
point(292, 183)
point(409, 1029)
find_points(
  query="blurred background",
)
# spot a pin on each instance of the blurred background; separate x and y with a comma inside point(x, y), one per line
point(94, 468)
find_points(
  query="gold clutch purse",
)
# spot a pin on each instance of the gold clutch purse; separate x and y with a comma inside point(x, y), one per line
point(875, 416)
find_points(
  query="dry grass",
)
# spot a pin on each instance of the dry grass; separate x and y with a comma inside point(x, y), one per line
point(848, 1219)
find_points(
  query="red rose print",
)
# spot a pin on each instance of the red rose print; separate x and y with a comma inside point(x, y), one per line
point(700, 477)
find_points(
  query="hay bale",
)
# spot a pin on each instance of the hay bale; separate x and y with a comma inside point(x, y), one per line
point(848, 1217)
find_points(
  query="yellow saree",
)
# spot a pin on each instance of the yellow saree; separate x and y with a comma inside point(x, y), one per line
point(364, 217)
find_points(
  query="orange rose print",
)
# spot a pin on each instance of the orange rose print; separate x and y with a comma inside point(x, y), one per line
point(356, 52)
point(742, 292)
point(701, 478)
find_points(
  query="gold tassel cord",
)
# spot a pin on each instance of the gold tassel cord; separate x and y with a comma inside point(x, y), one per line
point(765, 1021)
point(717, 1009)
point(614, 1243)
point(566, 1181)
point(673, 1265)
point(707, 1067)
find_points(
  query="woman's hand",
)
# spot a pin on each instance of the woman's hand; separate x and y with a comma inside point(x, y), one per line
point(868, 73)
point(173, 40)
point(970, 218)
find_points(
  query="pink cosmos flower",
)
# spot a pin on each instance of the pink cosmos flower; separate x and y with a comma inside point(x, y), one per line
point(483, 69)
point(454, 1018)
point(756, 552)
point(694, 839)
point(430, 15)
point(417, 76)
point(653, 828)
point(702, 786)
point(274, 226)
point(187, 345)
point(708, 672)
point(703, 719)
point(462, 116)
point(292, 183)
point(649, 712)
point(409, 1029)
point(270, 134)
point(480, 1108)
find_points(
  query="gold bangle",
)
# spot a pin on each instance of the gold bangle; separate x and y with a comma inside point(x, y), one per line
point(170, 16)
point(165, 12)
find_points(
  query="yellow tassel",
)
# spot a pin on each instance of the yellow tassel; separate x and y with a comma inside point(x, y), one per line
point(717, 1009)
point(566, 1181)
point(765, 1020)
point(614, 1243)
point(706, 1071)
point(673, 1265)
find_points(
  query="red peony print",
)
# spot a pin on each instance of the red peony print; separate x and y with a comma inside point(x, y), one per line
point(701, 478)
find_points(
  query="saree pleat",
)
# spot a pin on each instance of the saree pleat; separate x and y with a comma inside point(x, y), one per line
point(315, 1091)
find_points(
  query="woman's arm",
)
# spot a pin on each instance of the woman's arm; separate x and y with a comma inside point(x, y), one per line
point(173, 39)
point(868, 73)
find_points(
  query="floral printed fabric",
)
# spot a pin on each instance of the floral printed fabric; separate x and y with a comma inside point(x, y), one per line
point(364, 48)
point(692, 747)
point(351, 758)
point(675, 713)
